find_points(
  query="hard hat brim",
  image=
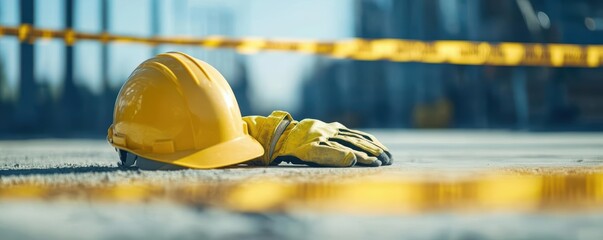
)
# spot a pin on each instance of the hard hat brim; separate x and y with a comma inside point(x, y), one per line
point(235, 151)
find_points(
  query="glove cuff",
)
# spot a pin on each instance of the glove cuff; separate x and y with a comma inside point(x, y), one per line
point(273, 128)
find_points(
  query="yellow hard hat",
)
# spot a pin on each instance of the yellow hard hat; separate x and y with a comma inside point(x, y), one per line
point(180, 110)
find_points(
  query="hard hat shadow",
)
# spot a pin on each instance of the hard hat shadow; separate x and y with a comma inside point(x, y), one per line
point(108, 169)
point(61, 170)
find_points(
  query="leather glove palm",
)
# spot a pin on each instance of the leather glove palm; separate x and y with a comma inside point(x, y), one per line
point(314, 142)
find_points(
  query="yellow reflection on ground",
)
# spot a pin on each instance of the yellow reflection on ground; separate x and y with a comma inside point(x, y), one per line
point(382, 194)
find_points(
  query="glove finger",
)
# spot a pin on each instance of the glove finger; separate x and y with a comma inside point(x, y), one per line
point(336, 125)
point(364, 135)
point(360, 144)
point(369, 137)
point(384, 155)
point(362, 157)
point(357, 144)
point(325, 154)
point(385, 158)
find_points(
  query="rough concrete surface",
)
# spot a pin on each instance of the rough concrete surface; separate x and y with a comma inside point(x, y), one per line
point(418, 154)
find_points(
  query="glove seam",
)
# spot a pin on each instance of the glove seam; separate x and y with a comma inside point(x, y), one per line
point(278, 133)
point(275, 118)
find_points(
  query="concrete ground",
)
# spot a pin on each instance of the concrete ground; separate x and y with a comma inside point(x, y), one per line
point(421, 155)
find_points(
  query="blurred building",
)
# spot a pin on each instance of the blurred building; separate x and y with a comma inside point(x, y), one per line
point(356, 93)
point(389, 94)
point(211, 19)
point(70, 106)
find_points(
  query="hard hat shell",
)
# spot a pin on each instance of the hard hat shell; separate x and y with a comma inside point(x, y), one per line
point(180, 110)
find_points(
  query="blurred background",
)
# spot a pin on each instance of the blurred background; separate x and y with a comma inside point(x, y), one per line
point(50, 89)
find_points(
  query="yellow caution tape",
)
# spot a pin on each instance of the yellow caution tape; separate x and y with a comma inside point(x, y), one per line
point(374, 195)
point(397, 50)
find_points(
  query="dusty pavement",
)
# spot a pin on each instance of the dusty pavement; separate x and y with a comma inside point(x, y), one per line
point(432, 156)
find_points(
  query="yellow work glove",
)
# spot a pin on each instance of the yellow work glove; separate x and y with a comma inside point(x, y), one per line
point(314, 143)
